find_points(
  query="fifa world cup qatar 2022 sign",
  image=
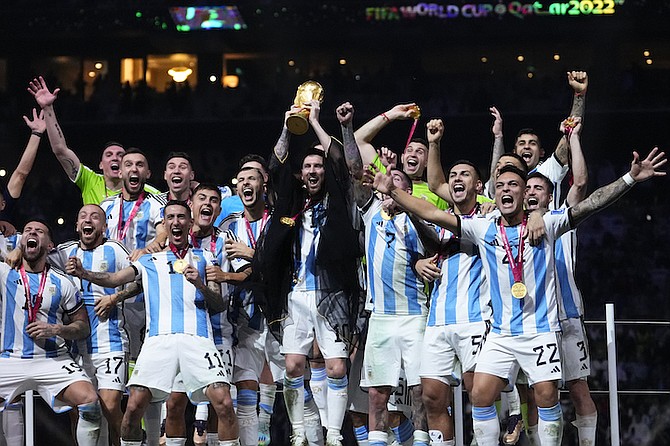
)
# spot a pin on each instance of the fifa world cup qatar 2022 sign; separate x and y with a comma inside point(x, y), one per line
point(515, 8)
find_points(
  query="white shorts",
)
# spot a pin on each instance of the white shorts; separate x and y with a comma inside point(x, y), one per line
point(48, 376)
point(304, 323)
point(538, 355)
point(273, 355)
point(448, 348)
point(575, 350)
point(106, 370)
point(163, 356)
point(249, 353)
point(393, 342)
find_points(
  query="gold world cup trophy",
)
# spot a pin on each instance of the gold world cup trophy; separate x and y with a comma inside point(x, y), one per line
point(298, 122)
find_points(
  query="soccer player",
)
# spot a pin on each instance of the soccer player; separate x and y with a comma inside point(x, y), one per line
point(521, 278)
point(36, 303)
point(527, 144)
point(309, 262)
point(414, 158)
point(94, 187)
point(243, 230)
point(179, 332)
point(574, 344)
point(134, 214)
point(105, 351)
point(460, 302)
point(178, 175)
point(400, 306)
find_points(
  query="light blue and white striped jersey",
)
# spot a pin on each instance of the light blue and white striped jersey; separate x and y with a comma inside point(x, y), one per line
point(461, 294)
point(221, 327)
point(142, 230)
point(7, 244)
point(107, 335)
point(553, 170)
point(538, 311)
point(392, 247)
point(173, 304)
point(570, 304)
point(306, 272)
point(59, 298)
point(235, 227)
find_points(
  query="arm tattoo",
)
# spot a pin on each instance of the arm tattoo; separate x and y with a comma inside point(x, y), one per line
point(133, 289)
point(562, 151)
point(578, 105)
point(281, 147)
point(351, 152)
point(599, 199)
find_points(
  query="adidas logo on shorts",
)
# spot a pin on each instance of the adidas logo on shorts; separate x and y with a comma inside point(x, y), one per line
point(556, 369)
point(117, 380)
point(584, 367)
point(220, 373)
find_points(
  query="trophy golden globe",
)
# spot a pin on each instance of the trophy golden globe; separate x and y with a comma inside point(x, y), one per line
point(298, 122)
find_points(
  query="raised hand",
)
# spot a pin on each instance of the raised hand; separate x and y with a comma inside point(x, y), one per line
point(314, 108)
point(435, 130)
point(37, 124)
point(401, 111)
point(345, 113)
point(578, 81)
point(642, 170)
point(571, 125)
point(44, 97)
point(380, 181)
point(388, 157)
point(496, 128)
point(74, 267)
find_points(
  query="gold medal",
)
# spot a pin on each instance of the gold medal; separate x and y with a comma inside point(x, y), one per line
point(180, 265)
point(288, 221)
point(519, 290)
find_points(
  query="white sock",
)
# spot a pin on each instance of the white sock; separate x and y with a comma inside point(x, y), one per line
point(313, 425)
point(514, 402)
point(421, 438)
point(377, 438)
point(202, 411)
point(294, 398)
point(319, 387)
point(88, 425)
point(130, 443)
point(486, 426)
point(152, 423)
point(533, 438)
point(550, 425)
point(337, 404)
point(12, 424)
point(212, 439)
point(175, 441)
point(247, 418)
point(586, 427)
point(235, 442)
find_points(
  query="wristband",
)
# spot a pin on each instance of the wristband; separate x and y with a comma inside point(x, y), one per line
point(386, 118)
point(628, 179)
point(583, 93)
point(36, 133)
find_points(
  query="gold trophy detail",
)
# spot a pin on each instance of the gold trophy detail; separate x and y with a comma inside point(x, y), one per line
point(298, 122)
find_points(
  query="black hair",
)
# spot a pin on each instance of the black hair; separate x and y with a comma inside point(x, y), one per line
point(50, 231)
point(252, 157)
point(528, 131)
point(548, 183)
point(419, 140)
point(184, 155)
point(113, 143)
point(312, 151)
point(469, 163)
point(179, 203)
point(207, 186)
point(518, 158)
point(402, 172)
point(514, 170)
point(132, 150)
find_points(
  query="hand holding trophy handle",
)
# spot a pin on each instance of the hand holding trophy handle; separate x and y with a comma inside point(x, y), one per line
point(298, 122)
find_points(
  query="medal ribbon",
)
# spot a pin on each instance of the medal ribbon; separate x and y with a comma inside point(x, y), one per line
point(411, 131)
point(250, 233)
point(122, 231)
point(179, 253)
point(33, 309)
point(515, 264)
point(212, 242)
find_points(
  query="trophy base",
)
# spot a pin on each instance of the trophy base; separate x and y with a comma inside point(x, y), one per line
point(297, 124)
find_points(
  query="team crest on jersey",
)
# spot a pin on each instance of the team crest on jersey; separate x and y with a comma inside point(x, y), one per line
point(196, 258)
point(103, 266)
point(52, 289)
point(139, 215)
